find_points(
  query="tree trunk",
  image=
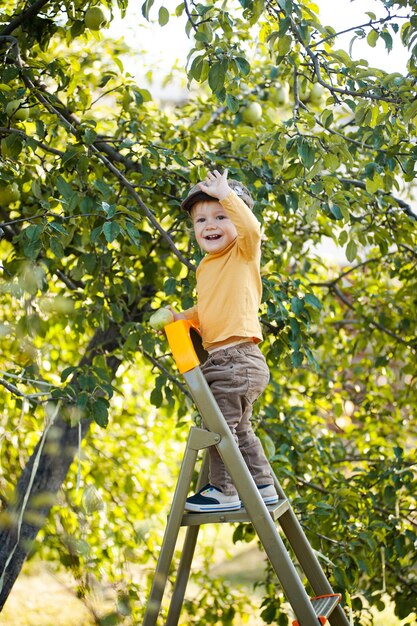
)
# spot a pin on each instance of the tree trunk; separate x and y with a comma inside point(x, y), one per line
point(42, 478)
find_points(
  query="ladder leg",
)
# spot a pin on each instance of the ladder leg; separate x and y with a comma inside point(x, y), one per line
point(182, 576)
point(170, 537)
point(184, 567)
point(309, 563)
point(306, 557)
point(198, 439)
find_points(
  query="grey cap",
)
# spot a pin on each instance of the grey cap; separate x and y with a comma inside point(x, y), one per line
point(195, 195)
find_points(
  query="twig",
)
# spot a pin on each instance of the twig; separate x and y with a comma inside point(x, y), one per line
point(166, 373)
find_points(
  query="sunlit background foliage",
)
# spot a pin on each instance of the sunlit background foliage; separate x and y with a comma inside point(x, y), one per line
point(92, 240)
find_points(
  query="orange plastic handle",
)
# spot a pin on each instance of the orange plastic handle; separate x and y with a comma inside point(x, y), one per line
point(179, 338)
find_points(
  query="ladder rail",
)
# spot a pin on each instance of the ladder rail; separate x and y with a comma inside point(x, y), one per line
point(252, 500)
point(170, 539)
point(184, 568)
point(183, 575)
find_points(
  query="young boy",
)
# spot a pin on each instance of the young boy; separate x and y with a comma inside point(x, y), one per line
point(228, 298)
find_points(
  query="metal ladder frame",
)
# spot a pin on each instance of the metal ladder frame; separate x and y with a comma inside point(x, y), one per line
point(255, 511)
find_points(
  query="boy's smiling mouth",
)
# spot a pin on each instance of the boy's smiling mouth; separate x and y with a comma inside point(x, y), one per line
point(212, 237)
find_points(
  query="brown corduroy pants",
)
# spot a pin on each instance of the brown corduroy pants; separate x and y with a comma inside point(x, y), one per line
point(237, 376)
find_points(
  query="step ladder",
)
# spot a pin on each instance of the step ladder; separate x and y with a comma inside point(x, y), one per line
point(185, 344)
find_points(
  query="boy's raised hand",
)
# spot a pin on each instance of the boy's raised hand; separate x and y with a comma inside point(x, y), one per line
point(216, 185)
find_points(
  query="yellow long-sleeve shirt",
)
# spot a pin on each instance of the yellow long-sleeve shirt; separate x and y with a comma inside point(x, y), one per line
point(229, 287)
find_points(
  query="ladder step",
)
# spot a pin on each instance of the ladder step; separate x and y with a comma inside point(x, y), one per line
point(323, 606)
point(221, 517)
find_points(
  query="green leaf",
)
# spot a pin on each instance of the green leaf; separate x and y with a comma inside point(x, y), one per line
point(313, 301)
point(100, 411)
point(111, 231)
point(196, 68)
point(232, 103)
point(306, 152)
point(90, 136)
point(163, 16)
point(146, 7)
point(387, 39)
point(297, 305)
point(156, 397)
point(267, 443)
point(67, 372)
point(11, 146)
point(336, 212)
point(372, 38)
point(56, 247)
point(351, 251)
point(217, 75)
point(170, 286)
point(297, 358)
point(64, 188)
point(133, 233)
point(284, 45)
point(244, 65)
point(59, 228)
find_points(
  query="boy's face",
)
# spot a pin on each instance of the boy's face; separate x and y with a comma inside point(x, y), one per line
point(213, 228)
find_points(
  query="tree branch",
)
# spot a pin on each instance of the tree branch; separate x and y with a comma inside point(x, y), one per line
point(25, 16)
point(401, 203)
point(70, 126)
point(317, 69)
point(370, 23)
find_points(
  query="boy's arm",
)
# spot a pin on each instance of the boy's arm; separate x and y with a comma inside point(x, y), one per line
point(188, 314)
point(247, 226)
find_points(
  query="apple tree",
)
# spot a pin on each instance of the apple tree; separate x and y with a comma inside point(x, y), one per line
point(92, 241)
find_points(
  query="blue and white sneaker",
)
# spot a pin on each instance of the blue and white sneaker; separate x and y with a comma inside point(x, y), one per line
point(209, 500)
point(268, 493)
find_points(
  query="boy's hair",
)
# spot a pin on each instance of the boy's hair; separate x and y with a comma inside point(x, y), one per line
point(195, 195)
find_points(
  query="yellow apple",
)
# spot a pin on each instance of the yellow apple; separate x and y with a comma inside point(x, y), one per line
point(252, 113)
point(161, 318)
point(9, 193)
point(95, 18)
point(17, 111)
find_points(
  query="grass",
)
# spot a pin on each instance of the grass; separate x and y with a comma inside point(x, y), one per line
point(41, 598)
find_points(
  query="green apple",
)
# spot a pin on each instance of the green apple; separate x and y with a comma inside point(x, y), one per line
point(304, 93)
point(316, 94)
point(9, 193)
point(252, 113)
point(95, 18)
point(279, 95)
point(15, 109)
point(161, 318)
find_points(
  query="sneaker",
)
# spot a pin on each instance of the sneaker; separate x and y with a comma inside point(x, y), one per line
point(268, 493)
point(210, 499)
